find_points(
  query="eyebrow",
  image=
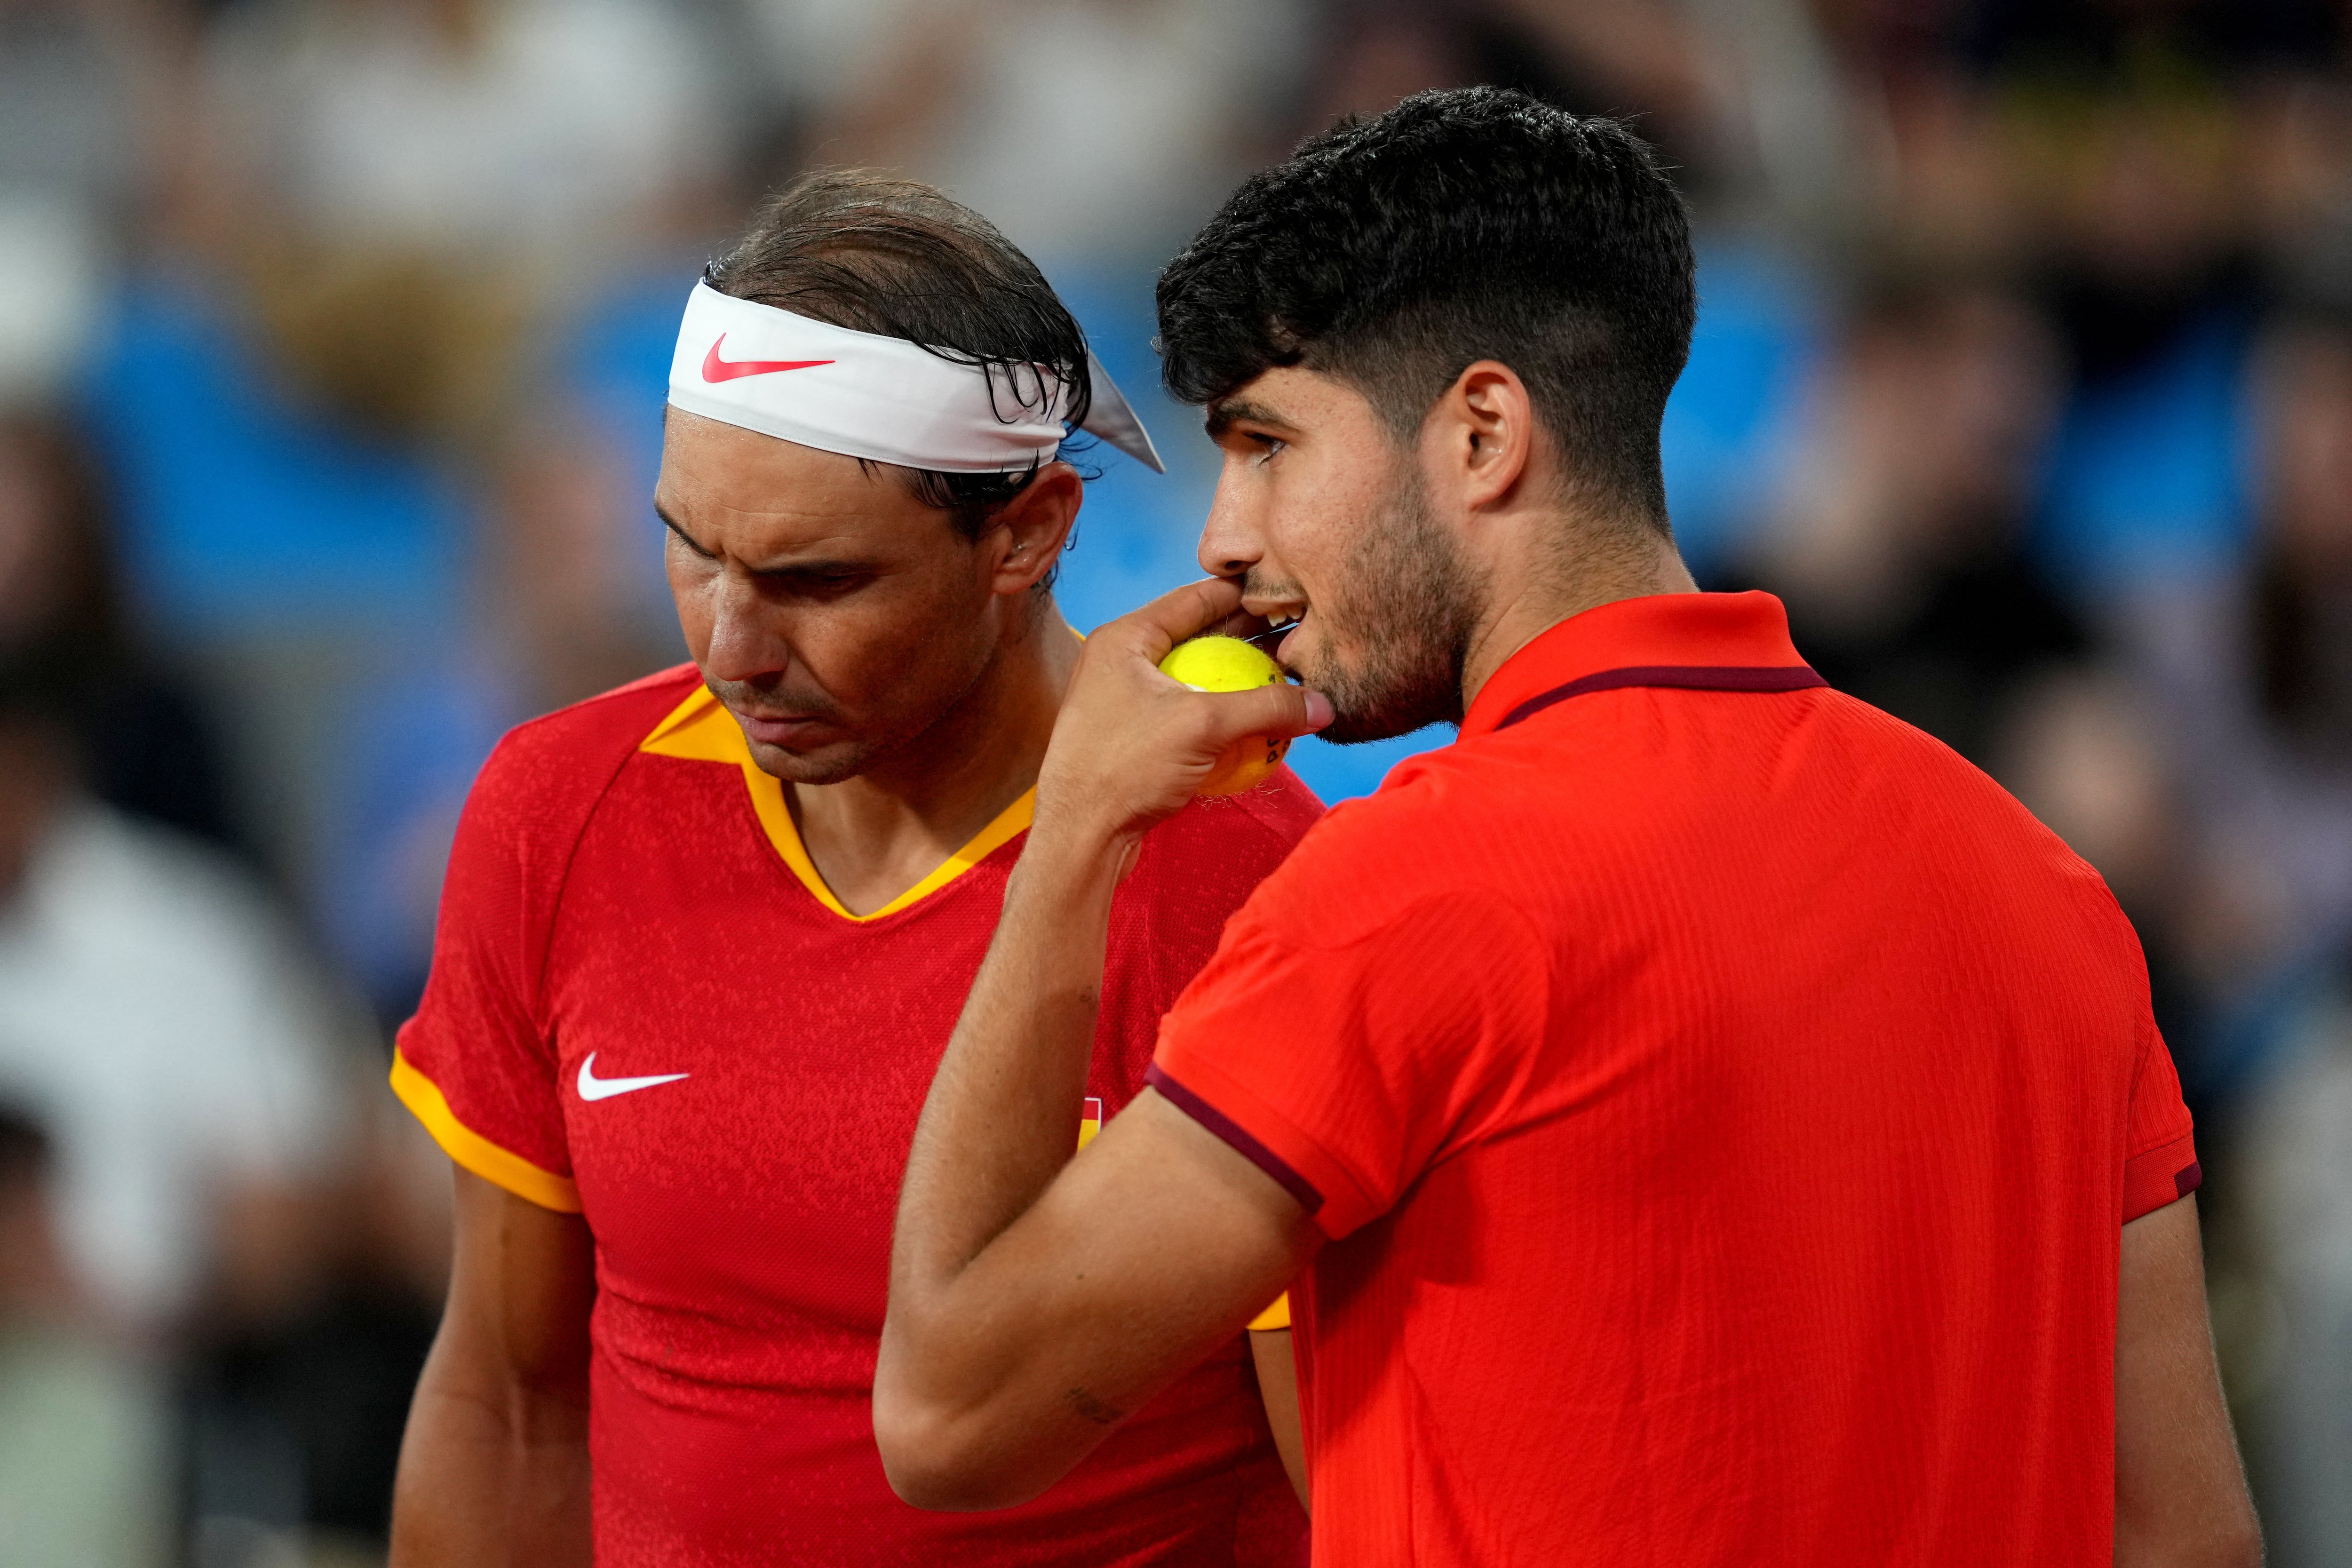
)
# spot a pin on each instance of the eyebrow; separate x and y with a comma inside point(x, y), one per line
point(816, 568)
point(1229, 412)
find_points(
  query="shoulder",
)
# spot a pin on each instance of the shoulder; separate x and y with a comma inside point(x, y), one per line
point(1361, 863)
point(536, 795)
point(1253, 830)
point(607, 727)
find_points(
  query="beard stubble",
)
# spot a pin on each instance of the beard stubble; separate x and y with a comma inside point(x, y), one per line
point(1406, 602)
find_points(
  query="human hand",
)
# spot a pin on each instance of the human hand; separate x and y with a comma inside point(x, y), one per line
point(1132, 745)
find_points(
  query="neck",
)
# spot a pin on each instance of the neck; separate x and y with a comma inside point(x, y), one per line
point(873, 836)
point(1537, 592)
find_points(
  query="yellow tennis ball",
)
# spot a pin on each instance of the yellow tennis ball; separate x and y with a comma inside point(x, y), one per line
point(1229, 664)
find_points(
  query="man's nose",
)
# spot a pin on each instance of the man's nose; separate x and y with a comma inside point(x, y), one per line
point(744, 646)
point(1231, 542)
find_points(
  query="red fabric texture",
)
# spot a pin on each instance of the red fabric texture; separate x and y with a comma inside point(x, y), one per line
point(1724, 1104)
point(608, 900)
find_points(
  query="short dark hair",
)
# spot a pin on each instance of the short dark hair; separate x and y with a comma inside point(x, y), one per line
point(1395, 251)
point(900, 259)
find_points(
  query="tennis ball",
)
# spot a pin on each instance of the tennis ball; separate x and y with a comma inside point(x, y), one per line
point(1229, 664)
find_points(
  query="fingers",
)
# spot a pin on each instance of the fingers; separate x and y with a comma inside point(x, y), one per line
point(1174, 616)
point(1281, 710)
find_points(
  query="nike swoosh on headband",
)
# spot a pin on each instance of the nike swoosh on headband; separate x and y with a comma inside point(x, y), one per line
point(593, 1088)
point(716, 369)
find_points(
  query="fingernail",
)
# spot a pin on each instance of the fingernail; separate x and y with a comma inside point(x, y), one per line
point(1319, 711)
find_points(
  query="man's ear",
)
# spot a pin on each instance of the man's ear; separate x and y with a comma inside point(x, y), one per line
point(1480, 435)
point(1030, 529)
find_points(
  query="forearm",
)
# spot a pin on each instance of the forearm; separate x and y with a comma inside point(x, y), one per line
point(491, 1477)
point(1035, 1299)
point(1003, 1115)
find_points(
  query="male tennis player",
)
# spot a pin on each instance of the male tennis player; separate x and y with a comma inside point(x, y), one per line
point(1717, 1124)
point(704, 938)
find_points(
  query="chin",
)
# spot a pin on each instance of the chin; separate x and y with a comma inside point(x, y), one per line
point(1386, 716)
point(1361, 730)
point(827, 764)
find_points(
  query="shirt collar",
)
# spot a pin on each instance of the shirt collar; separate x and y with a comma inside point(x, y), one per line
point(1719, 641)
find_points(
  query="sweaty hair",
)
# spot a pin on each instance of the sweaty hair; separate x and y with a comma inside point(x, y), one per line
point(1393, 252)
point(900, 258)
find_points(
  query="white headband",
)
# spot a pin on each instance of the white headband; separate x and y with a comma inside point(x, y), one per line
point(784, 376)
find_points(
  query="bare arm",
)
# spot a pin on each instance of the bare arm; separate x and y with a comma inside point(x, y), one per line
point(494, 1467)
point(2180, 1492)
point(1277, 1380)
point(1036, 1298)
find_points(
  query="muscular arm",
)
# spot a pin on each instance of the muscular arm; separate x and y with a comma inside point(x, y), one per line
point(2180, 1492)
point(494, 1467)
point(1036, 1298)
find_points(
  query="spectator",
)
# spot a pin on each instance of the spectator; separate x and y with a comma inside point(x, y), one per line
point(1089, 132)
point(148, 743)
point(1901, 550)
point(556, 616)
point(155, 1014)
point(2255, 666)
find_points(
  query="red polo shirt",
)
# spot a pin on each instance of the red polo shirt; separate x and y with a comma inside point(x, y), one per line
point(1723, 1103)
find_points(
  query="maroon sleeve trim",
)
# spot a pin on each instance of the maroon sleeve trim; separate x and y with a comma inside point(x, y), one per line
point(1687, 677)
point(1233, 1132)
point(2186, 1180)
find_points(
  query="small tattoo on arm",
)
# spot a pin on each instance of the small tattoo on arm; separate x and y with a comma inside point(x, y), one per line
point(1093, 1409)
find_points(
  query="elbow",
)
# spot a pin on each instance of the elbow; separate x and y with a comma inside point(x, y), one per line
point(2230, 1539)
point(2242, 1545)
point(945, 1460)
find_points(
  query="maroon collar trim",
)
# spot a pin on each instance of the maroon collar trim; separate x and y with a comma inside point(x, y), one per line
point(1685, 676)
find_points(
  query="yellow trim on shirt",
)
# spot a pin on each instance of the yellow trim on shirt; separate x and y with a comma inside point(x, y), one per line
point(475, 1152)
point(700, 730)
point(1277, 1317)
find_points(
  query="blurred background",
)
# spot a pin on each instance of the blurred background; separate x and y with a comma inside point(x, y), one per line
point(333, 336)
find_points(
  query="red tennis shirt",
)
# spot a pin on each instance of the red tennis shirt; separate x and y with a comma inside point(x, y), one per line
point(647, 1008)
point(1723, 1103)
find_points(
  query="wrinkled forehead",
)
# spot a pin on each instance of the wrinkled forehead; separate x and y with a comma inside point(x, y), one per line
point(736, 490)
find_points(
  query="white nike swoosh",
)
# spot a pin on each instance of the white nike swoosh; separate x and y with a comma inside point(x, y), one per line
point(594, 1088)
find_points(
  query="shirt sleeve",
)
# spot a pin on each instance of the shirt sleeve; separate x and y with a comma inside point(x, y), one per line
point(2160, 1149)
point(1345, 1058)
point(476, 1065)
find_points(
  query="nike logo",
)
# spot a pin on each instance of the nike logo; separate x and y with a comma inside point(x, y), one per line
point(594, 1088)
point(716, 369)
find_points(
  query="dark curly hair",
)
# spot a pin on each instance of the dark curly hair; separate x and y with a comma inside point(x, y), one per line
point(900, 259)
point(1393, 252)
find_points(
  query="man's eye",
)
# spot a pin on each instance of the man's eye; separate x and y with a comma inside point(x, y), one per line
point(827, 584)
point(690, 546)
point(1267, 445)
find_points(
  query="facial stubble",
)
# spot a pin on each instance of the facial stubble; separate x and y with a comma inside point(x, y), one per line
point(1407, 601)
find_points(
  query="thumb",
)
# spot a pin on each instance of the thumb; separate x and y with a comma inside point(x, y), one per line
point(1281, 710)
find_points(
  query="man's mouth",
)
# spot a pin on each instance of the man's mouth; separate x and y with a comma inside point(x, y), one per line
point(777, 729)
point(1277, 633)
point(1285, 629)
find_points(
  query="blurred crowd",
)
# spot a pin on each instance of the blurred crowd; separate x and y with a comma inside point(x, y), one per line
point(333, 342)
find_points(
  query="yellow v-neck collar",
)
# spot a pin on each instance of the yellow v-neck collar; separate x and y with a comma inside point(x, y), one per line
point(700, 730)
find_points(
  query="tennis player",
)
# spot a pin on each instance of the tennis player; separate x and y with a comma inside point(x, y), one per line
point(703, 940)
point(1717, 1124)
